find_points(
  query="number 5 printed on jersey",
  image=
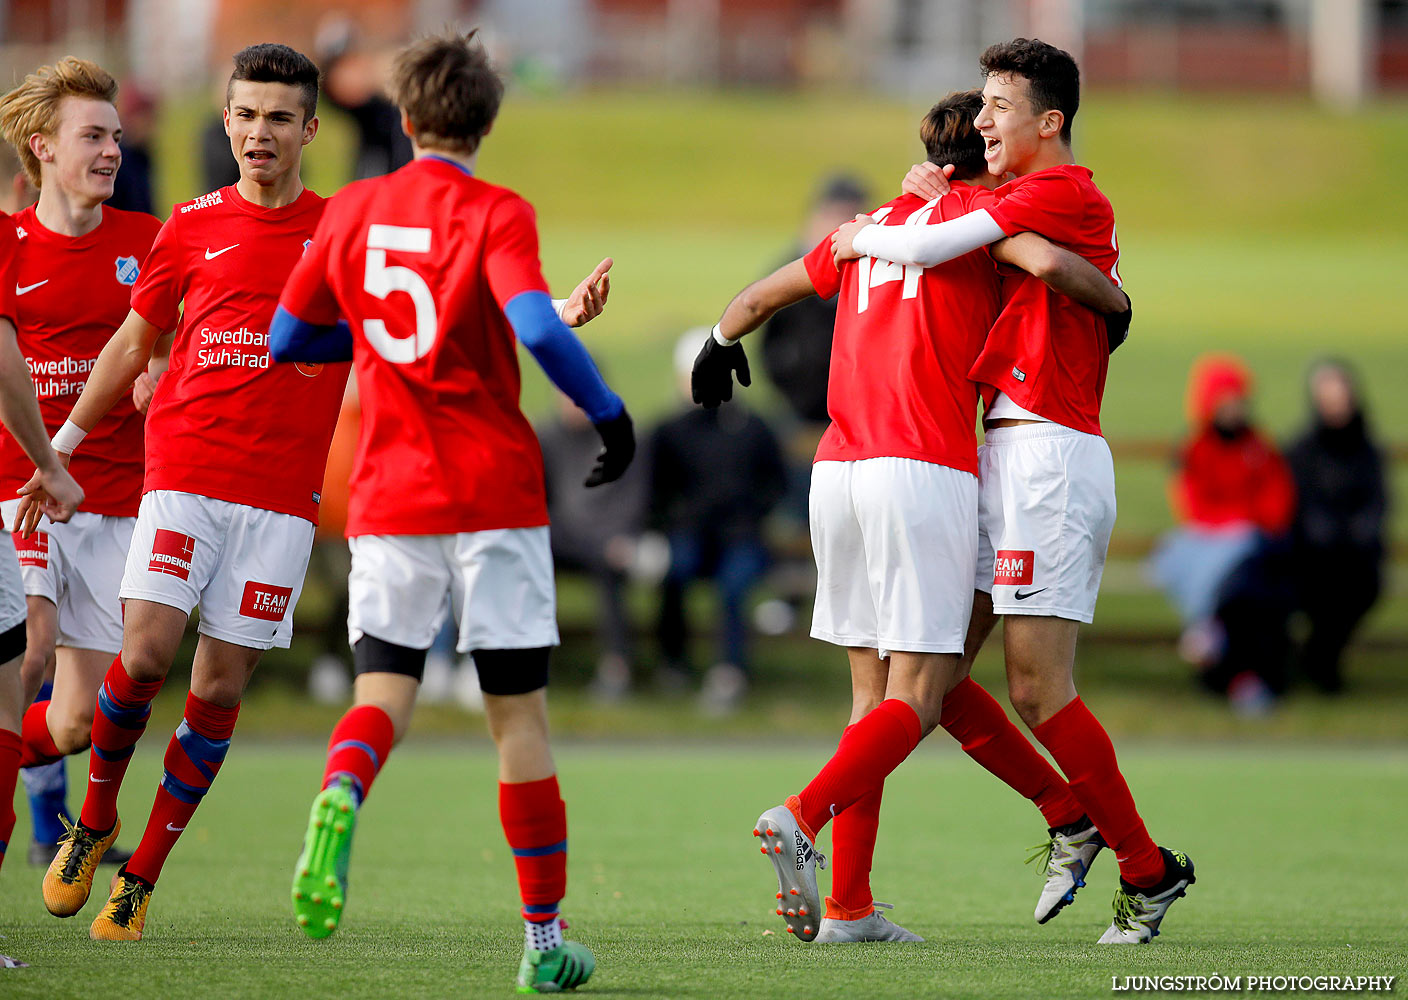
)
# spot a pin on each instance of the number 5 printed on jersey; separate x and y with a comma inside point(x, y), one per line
point(381, 280)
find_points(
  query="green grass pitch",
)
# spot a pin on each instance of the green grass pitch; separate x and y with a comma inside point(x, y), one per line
point(667, 887)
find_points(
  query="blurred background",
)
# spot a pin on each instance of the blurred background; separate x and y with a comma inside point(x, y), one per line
point(1253, 151)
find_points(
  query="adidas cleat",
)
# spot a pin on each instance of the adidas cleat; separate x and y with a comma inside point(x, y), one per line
point(69, 879)
point(565, 967)
point(320, 877)
point(125, 913)
point(843, 928)
point(1138, 912)
point(1065, 860)
point(791, 852)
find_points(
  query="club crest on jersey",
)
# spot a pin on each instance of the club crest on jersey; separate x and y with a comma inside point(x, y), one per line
point(312, 369)
point(1013, 567)
point(20, 233)
point(306, 245)
point(127, 270)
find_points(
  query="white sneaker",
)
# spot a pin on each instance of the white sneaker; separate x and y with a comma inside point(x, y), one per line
point(796, 861)
point(1065, 858)
point(1139, 912)
point(873, 927)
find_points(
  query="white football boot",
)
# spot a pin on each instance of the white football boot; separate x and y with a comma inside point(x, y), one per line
point(1138, 912)
point(1065, 860)
point(873, 927)
point(796, 860)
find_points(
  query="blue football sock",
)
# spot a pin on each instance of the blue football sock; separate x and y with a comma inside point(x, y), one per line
point(47, 789)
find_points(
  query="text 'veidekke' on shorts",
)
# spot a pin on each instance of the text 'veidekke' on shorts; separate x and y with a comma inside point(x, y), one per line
point(172, 552)
point(242, 348)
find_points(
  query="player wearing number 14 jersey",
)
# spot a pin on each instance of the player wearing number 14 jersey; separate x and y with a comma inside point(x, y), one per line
point(436, 273)
point(1048, 490)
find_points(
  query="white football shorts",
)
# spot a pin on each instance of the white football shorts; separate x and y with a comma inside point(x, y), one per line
point(1045, 512)
point(498, 585)
point(78, 567)
point(12, 605)
point(896, 542)
point(242, 565)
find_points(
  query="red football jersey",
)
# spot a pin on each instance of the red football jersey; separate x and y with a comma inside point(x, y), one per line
point(72, 294)
point(226, 422)
point(444, 446)
point(904, 342)
point(9, 264)
point(1047, 351)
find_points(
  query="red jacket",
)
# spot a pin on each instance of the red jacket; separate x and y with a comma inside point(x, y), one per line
point(1224, 480)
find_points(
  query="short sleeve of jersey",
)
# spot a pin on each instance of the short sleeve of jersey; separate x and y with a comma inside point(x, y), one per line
point(307, 294)
point(157, 295)
point(1051, 205)
point(9, 267)
point(821, 268)
point(511, 262)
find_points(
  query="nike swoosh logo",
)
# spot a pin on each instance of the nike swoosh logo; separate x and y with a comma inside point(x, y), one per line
point(211, 255)
point(29, 288)
point(1031, 593)
point(174, 829)
point(97, 781)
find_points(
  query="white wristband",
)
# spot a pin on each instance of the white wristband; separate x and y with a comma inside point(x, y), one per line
point(68, 437)
point(558, 305)
point(720, 339)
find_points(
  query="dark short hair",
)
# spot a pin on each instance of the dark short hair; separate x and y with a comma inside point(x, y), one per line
point(270, 62)
point(449, 91)
point(948, 134)
point(1053, 78)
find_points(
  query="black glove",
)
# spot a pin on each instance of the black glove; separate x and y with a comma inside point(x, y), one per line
point(711, 381)
point(1117, 326)
point(618, 447)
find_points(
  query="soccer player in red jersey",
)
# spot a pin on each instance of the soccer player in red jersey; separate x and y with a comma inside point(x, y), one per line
point(1048, 490)
point(226, 519)
point(438, 376)
point(78, 263)
point(895, 476)
point(19, 412)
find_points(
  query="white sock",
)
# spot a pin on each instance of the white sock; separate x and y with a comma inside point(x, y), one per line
point(544, 935)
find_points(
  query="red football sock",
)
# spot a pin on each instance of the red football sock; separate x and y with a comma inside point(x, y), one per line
point(39, 747)
point(359, 745)
point(852, 854)
point(535, 825)
point(193, 759)
point(874, 747)
point(1082, 749)
point(975, 719)
point(118, 723)
point(9, 771)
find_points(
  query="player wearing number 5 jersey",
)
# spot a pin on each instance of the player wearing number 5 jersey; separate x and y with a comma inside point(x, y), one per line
point(436, 273)
point(1047, 505)
point(894, 504)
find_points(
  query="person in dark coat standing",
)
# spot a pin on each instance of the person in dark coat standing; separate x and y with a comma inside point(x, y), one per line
point(1337, 536)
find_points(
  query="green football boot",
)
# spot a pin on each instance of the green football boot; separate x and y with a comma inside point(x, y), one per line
point(320, 879)
point(565, 967)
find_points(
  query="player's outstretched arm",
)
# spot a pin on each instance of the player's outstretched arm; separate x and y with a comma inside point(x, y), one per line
point(568, 366)
point(293, 339)
point(19, 411)
point(925, 246)
point(711, 381)
point(588, 299)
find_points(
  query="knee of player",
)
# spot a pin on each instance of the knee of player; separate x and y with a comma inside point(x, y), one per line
point(143, 661)
point(73, 733)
